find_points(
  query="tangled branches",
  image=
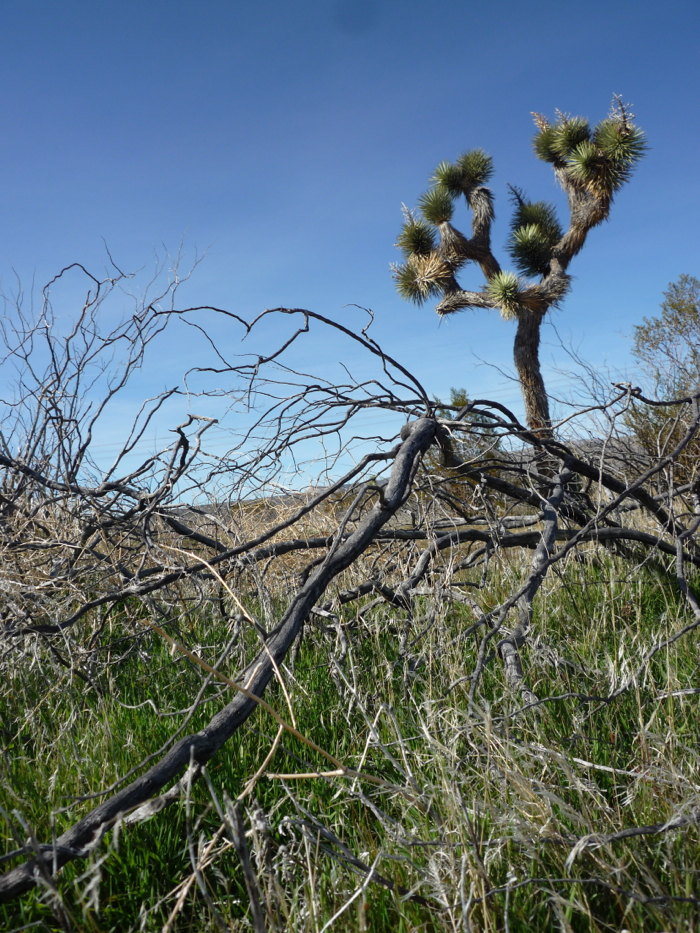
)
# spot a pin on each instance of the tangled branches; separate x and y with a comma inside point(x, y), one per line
point(103, 563)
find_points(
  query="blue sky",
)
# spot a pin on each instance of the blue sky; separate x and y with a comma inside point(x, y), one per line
point(281, 139)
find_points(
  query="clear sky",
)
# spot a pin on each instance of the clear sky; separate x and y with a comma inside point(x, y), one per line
point(282, 138)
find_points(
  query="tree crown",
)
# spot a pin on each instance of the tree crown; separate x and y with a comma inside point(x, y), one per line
point(668, 346)
point(591, 162)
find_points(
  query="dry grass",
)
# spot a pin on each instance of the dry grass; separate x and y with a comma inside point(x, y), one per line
point(484, 818)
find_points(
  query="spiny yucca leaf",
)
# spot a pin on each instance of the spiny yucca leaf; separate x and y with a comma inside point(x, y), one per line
point(436, 205)
point(540, 213)
point(476, 166)
point(471, 170)
point(421, 277)
point(621, 142)
point(543, 144)
point(448, 177)
point(584, 165)
point(593, 170)
point(531, 249)
point(416, 237)
point(606, 162)
point(407, 283)
point(534, 231)
point(554, 142)
point(504, 290)
point(570, 133)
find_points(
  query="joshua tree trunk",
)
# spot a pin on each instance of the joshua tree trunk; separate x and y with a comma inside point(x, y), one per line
point(527, 364)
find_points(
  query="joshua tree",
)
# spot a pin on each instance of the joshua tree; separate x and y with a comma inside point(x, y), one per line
point(590, 164)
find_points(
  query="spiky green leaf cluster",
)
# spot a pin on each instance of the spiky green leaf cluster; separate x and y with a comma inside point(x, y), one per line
point(504, 290)
point(448, 176)
point(540, 213)
point(436, 205)
point(555, 142)
point(531, 250)
point(585, 164)
point(622, 146)
point(471, 170)
point(601, 159)
point(535, 231)
point(416, 237)
point(407, 283)
point(422, 277)
point(607, 162)
point(476, 166)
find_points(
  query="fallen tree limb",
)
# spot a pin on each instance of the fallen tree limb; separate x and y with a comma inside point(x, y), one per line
point(198, 748)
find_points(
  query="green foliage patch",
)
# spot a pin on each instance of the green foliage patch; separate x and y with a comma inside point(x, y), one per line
point(479, 811)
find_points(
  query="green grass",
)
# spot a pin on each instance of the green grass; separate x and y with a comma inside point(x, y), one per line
point(490, 799)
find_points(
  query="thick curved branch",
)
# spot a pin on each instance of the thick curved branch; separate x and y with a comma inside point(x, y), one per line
point(77, 841)
point(457, 299)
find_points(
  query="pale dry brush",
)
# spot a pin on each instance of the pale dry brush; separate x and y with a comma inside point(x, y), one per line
point(459, 562)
